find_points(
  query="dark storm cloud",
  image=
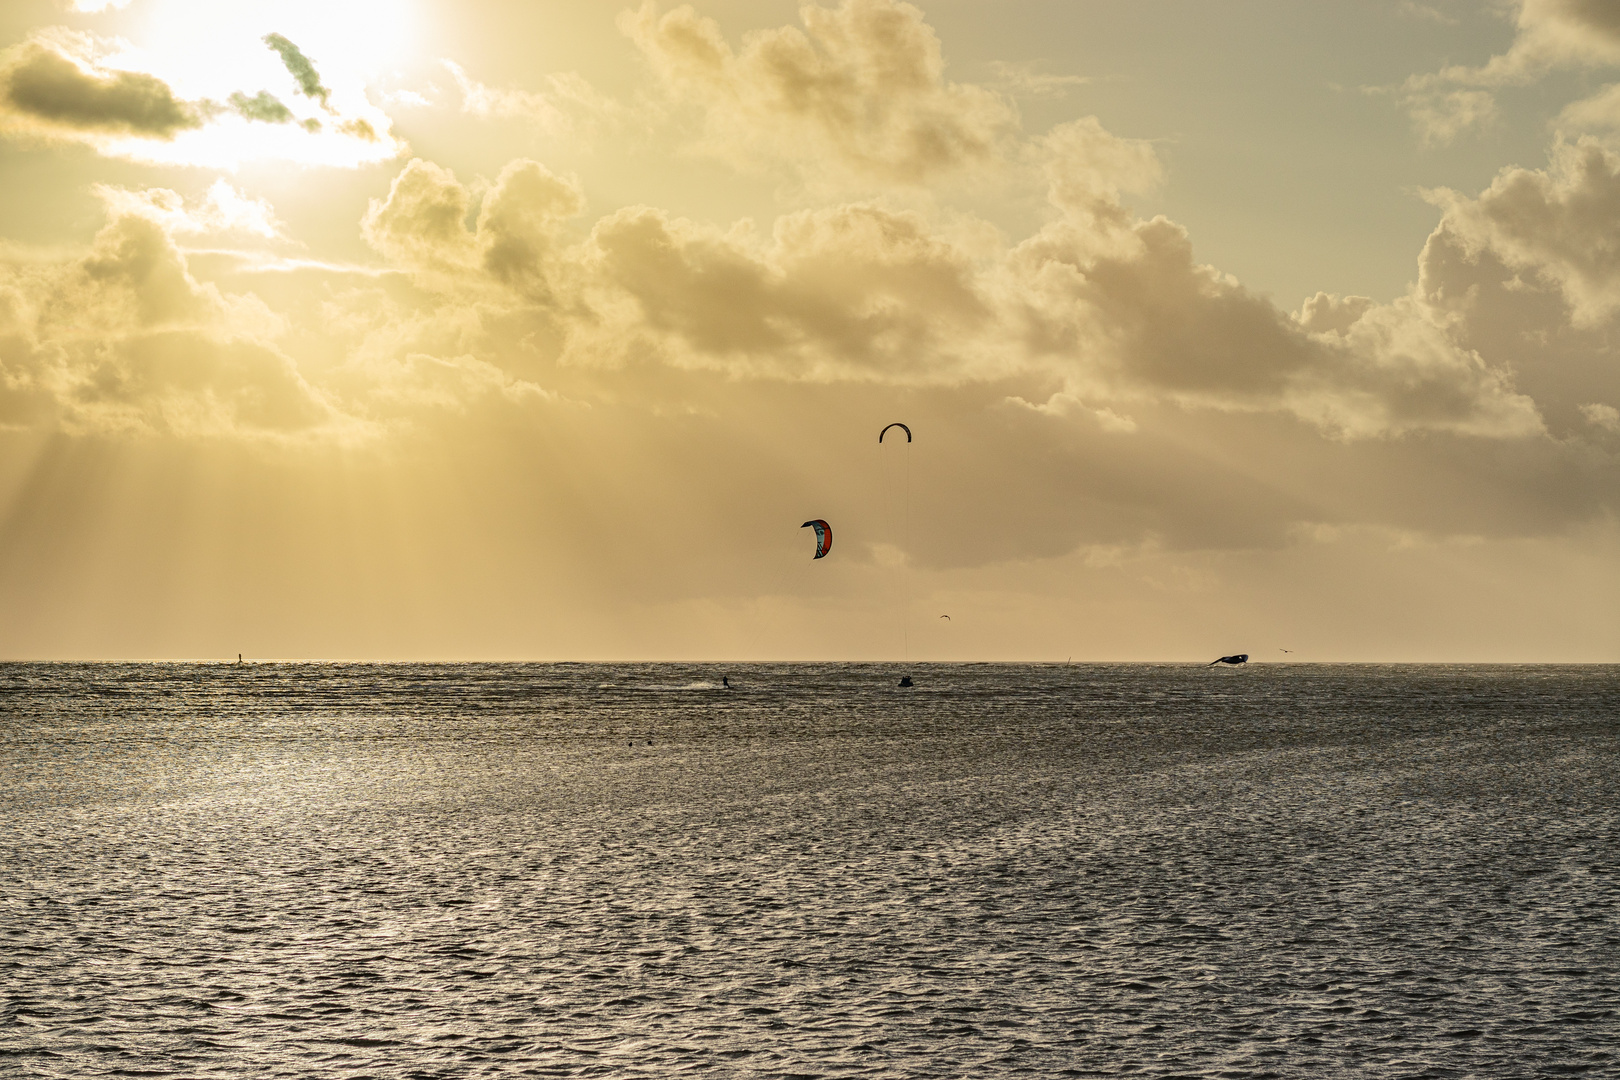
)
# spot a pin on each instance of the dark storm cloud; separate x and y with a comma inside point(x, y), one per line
point(42, 85)
point(262, 106)
point(300, 68)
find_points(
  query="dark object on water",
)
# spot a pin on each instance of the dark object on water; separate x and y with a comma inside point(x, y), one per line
point(905, 680)
point(1236, 658)
point(725, 682)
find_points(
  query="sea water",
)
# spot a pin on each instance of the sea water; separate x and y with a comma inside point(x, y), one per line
point(413, 870)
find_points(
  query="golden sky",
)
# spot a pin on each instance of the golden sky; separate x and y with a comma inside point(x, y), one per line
point(535, 330)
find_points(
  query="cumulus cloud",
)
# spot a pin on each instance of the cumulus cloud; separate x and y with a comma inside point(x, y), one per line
point(1097, 320)
point(1110, 313)
point(1149, 323)
point(519, 228)
point(849, 292)
point(423, 221)
point(46, 91)
point(1560, 224)
point(126, 341)
point(1551, 34)
point(861, 88)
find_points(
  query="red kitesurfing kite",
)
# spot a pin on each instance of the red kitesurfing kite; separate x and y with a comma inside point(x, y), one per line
point(823, 536)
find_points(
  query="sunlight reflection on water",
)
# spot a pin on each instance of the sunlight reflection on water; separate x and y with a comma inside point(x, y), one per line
point(421, 870)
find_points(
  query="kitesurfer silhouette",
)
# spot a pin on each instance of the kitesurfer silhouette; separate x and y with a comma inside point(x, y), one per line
point(1235, 658)
point(725, 682)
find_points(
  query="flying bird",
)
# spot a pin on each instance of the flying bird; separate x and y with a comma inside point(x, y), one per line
point(1235, 658)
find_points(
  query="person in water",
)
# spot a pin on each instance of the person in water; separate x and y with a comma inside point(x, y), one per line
point(905, 680)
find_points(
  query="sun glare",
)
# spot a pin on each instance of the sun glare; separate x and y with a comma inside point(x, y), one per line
point(211, 48)
point(218, 52)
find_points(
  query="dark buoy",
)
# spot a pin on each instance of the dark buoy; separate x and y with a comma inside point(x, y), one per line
point(905, 680)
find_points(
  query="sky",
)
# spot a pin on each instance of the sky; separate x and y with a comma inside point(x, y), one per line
point(515, 329)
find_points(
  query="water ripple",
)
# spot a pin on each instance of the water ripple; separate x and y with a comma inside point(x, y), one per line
point(582, 870)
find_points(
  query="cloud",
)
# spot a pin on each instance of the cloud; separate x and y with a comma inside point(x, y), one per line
point(1148, 323)
point(1410, 9)
point(262, 106)
point(1606, 417)
point(567, 105)
point(861, 89)
point(1561, 224)
point(419, 381)
point(1087, 169)
point(1097, 324)
point(125, 341)
point(1551, 34)
point(43, 90)
point(855, 291)
point(423, 221)
point(1027, 80)
point(1600, 112)
point(519, 228)
point(1108, 313)
point(51, 87)
point(225, 209)
point(301, 69)
point(1440, 115)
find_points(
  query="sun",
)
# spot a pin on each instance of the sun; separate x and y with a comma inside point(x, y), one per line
point(210, 48)
point(278, 79)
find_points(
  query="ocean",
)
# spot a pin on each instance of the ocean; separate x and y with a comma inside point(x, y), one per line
point(491, 870)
